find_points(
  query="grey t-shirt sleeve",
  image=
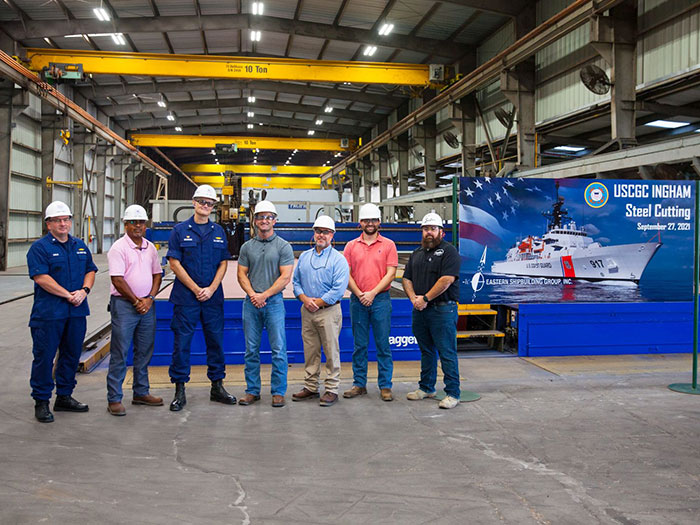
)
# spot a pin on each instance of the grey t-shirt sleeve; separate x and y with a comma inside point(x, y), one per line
point(286, 255)
point(243, 256)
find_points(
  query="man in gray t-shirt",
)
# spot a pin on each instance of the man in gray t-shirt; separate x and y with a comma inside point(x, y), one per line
point(264, 269)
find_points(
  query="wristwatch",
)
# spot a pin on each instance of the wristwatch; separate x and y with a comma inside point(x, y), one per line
point(151, 297)
point(425, 298)
point(87, 290)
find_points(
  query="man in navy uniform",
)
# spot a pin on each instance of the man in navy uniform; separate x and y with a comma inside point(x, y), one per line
point(63, 273)
point(198, 255)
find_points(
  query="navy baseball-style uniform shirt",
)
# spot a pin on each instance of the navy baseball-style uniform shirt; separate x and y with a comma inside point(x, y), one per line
point(67, 262)
point(200, 250)
point(425, 267)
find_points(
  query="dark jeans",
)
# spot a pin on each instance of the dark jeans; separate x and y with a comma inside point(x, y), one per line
point(129, 326)
point(435, 329)
point(378, 316)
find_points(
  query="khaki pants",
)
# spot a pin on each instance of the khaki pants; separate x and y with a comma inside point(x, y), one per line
point(321, 329)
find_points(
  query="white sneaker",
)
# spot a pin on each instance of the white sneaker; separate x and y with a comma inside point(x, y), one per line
point(417, 395)
point(449, 402)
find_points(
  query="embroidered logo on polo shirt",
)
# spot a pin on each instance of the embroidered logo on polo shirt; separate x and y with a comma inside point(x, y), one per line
point(439, 252)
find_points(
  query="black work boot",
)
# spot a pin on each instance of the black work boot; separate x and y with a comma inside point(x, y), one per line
point(69, 404)
point(179, 401)
point(218, 393)
point(42, 412)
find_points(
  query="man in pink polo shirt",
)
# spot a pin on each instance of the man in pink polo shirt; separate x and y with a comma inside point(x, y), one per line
point(373, 260)
point(136, 275)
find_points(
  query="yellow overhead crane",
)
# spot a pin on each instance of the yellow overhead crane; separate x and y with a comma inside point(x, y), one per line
point(254, 169)
point(211, 141)
point(276, 182)
point(213, 66)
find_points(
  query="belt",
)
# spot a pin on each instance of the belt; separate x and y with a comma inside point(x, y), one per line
point(441, 303)
point(327, 306)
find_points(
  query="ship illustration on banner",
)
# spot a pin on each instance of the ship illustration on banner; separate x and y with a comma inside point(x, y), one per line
point(526, 240)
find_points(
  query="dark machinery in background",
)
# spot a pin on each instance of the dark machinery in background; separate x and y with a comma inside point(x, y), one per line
point(231, 215)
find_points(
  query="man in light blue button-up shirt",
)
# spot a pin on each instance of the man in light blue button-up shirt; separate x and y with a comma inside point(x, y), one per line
point(320, 280)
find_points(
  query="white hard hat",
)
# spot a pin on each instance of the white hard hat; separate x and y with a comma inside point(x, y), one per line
point(431, 219)
point(265, 206)
point(57, 209)
point(324, 221)
point(135, 213)
point(206, 192)
point(370, 211)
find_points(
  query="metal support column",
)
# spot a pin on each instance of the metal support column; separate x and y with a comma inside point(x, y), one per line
point(117, 171)
point(101, 186)
point(614, 37)
point(427, 132)
point(6, 95)
point(49, 125)
point(518, 85)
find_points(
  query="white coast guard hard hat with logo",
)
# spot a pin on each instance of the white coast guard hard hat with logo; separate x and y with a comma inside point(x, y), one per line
point(324, 221)
point(57, 209)
point(431, 219)
point(265, 206)
point(370, 211)
point(206, 192)
point(135, 213)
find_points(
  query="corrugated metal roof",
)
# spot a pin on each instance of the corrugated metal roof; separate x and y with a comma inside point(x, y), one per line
point(149, 42)
point(40, 10)
point(222, 41)
point(320, 11)
point(362, 13)
point(130, 8)
point(279, 8)
point(337, 50)
point(306, 47)
point(176, 7)
point(186, 42)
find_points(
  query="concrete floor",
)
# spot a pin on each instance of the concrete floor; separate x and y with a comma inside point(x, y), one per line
point(549, 442)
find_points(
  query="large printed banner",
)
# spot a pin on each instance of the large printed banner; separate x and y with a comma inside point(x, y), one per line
point(547, 240)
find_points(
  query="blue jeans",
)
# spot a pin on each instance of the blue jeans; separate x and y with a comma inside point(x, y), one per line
point(66, 336)
point(183, 325)
point(271, 317)
point(378, 316)
point(435, 329)
point(128, 326)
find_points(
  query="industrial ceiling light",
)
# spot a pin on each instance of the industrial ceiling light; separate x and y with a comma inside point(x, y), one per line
point(667, 124)
point(171, 117)
point(255, 36)
point(386, 29)
point(319, 122)
point(101, 14)
point(251, 126)
point(310, 132)
point(161, 103)
point(213, 152)
point(369, 51)
point(251, 99)
point(178, 128)
point(251, 114)
point(572, 149)
point(258, 8)
point(46, 39)
point(328, 109)
point(118, 39)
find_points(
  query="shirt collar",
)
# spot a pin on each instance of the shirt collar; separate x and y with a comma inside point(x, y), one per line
point(269, 239)
point(54, 239)
point(378, 239)
point(323, 252)
point(132, 244)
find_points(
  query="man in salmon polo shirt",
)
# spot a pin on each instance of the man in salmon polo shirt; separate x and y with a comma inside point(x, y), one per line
point(373, 260)
point(136, 275)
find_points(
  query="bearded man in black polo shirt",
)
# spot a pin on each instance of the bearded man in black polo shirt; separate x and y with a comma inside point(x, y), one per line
point(431, 281)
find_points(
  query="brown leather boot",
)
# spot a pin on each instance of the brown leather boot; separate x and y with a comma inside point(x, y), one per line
point(304, 394)
point(328, 399)
point(354, 392)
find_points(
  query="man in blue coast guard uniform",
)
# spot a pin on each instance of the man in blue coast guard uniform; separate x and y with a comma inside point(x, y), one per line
point(198, 255)
point(63, 273)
